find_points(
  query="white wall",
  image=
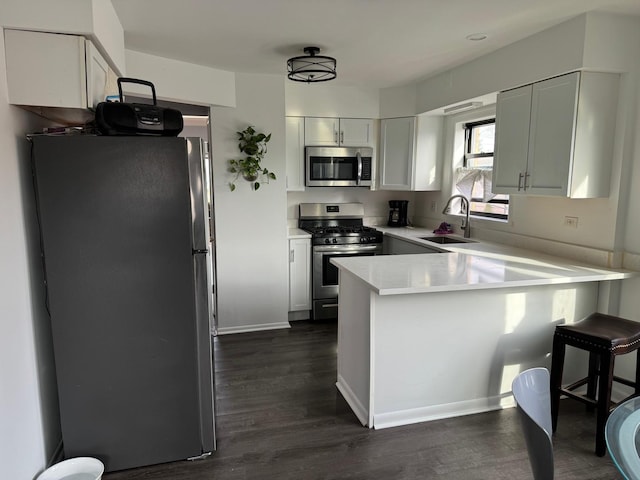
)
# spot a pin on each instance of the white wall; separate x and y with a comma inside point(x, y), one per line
point(399, 101)
point(108, 33)
point(629, 296)
point(178, 81)
point(47, 16)
point(549, 53)
point(251, 228)
point(376, 203)
point(632, 220)
point(29, 419)
point(322, 100)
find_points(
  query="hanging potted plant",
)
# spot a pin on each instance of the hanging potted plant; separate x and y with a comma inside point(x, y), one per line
point(254, 146)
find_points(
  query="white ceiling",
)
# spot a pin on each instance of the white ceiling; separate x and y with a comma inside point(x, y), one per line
point(377, 43)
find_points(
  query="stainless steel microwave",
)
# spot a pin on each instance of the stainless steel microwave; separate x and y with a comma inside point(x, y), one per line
point(338, 166)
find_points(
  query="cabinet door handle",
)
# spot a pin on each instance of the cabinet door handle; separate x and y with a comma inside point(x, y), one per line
point(292, 256)
point(342, 136)
point(526, 178)
point(520, 176)
point(335, 136)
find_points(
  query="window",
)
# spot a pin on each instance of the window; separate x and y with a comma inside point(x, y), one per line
point(474, 179)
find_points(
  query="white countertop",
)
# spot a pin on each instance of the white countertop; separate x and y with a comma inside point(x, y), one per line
point(466, 266)
point(298, 233)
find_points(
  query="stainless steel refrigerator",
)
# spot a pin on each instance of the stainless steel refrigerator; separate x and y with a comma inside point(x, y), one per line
point(124, 236)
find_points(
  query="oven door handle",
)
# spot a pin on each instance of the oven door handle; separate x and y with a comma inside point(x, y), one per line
point(359, 177)
point(346, 249)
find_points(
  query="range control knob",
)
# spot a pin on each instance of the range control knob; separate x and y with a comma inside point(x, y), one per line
point(335, 240)
point(326, 240)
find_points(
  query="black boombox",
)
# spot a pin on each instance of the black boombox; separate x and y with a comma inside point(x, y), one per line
point(120, 118)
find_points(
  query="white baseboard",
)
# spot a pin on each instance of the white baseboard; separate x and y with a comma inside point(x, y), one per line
point(631, 261)
point(300, 315)
point(252, 328)
point(355, 404)
point(437, 412)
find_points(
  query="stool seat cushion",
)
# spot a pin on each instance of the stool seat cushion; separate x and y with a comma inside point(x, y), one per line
point(602, 332)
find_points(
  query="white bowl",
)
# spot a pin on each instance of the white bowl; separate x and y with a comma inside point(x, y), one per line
point(80, 468)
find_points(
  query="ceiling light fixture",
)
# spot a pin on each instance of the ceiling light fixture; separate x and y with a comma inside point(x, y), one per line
point(311, 67)
point(462, 107)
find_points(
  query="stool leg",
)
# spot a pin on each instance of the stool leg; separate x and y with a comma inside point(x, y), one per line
point(557, 365)
point(604, 400)
point(594, 366)
point(637, 390)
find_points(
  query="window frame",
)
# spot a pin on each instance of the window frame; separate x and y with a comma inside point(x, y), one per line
point(468, 135)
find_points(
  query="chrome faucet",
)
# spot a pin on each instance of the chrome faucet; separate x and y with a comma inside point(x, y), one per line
point(466, 227)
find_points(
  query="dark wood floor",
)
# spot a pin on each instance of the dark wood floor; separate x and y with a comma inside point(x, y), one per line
point(280, 417)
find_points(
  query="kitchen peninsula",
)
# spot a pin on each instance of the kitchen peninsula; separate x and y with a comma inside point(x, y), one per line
point(429, 336)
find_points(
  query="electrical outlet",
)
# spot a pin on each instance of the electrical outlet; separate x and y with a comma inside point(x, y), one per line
point(434, 205)
point(571, 222)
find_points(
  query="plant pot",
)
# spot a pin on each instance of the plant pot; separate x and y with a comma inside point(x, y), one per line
point(250, 178)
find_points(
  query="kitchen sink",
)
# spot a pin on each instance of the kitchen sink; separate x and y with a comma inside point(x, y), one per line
point(443, 239)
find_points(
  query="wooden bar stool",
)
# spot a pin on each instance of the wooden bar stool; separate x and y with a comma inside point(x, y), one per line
point(604, 337)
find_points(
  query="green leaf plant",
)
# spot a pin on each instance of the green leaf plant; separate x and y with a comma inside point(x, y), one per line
point(254, 146)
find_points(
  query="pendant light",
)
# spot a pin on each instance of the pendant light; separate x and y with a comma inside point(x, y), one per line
point(311, 67)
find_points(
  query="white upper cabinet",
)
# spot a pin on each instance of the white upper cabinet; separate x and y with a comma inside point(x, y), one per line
point(513, 113)
point(55, 70)
point(321, 131)
point(101, 79)
point(348, 132)
point(555, 137)
point(410, 153)
point(397, 144)
point(294, 138)
point(356, 132)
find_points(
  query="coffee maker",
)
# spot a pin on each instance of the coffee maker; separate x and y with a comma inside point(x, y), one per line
point(398, 213)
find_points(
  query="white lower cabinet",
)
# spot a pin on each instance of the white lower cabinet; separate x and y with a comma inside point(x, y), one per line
point(299, 274)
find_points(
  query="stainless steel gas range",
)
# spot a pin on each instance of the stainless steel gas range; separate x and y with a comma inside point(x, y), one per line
point(337, 230)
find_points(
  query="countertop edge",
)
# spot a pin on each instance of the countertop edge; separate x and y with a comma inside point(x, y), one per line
point(497, 285)
point(293, 233)
point(576, 272)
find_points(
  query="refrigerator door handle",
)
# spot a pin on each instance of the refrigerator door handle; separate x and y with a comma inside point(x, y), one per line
point(205, 354)
point(196, 252)
point(199, 201)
